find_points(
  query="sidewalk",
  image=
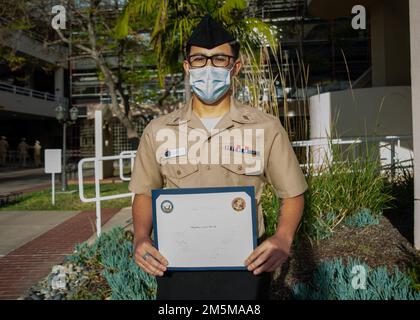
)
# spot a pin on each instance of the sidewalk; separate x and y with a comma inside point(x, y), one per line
point(16, 172)
point(23, 180)
point(20, 227)
point(23, 267)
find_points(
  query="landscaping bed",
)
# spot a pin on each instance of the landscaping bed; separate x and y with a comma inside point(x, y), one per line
point(376, 245)
point(354, 219)
point(106, 270)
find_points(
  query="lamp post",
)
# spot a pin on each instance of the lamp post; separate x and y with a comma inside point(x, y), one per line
point(66, 118)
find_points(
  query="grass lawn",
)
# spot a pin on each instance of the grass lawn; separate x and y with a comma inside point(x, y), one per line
point(41, 200)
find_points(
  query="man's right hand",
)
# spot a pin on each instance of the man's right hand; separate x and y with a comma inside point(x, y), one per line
point(148, 257)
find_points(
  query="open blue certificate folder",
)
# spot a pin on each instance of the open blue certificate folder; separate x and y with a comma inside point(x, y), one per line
point(205, 228)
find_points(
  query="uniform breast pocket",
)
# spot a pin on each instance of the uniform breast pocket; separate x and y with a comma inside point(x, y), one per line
point(239, 175)
point(179, 175)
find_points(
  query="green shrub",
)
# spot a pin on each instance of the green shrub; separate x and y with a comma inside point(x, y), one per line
point(113, 253)
point(332, 280)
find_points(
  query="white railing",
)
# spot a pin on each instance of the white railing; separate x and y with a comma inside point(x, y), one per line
point(6, 87)
point(98, 198)
point(132, 155)
point(394, 141)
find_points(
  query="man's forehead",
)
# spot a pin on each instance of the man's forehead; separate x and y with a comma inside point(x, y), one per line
point(224, 48)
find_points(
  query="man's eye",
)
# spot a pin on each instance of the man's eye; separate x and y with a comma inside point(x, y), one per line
point(198, 59)
point(220, 58)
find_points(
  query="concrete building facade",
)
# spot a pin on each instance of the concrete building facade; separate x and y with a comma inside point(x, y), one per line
point(388, 100)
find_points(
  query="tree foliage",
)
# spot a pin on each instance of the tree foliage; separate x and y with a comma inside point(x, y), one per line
point(174, 21)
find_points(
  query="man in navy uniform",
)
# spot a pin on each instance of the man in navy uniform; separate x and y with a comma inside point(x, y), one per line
point(211, 61)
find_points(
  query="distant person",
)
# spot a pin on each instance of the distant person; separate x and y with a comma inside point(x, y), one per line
point(37, 153)
point(23, 148)
point(4, 147)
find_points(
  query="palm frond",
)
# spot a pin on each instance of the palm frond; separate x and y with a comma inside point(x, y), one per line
point(225, 12)
point(133, 8)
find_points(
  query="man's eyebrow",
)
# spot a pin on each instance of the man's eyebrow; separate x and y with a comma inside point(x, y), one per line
point(214, 54)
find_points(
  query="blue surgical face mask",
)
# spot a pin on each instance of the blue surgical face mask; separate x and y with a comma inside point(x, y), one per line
point(210, 83)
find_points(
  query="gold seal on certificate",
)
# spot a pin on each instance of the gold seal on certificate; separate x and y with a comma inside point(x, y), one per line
point(205, 228)
point(238, 204)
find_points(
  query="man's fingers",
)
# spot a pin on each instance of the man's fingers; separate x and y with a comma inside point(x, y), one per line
point(271, 264)
point(254, 255)
point(144, 267)
point(146, 258)
point(266, 266)
point(151, 260)
point(148, 268)
point(259, 261)
point(144, 255)
point(152, 255)
point(157, 255)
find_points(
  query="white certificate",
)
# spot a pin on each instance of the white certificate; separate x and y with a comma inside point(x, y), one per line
point(205, 228)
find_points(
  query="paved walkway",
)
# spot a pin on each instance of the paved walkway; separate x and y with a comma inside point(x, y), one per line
point(23, 267)
point(17, 172)
point(31, 242)
point(23, 180)
point(20, 227)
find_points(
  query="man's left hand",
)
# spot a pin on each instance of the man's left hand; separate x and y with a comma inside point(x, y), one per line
point(269, 255)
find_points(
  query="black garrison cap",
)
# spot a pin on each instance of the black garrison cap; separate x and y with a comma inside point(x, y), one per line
point(209, 34)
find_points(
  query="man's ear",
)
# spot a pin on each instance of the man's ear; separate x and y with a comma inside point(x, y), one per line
point(186, 67)
point(236, 68)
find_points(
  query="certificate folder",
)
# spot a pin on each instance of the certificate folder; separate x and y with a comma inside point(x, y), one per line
point(205, 228)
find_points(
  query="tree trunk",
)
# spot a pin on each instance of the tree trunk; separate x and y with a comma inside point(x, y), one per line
point(111, 81)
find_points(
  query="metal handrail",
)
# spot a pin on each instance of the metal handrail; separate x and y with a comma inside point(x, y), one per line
point(121, 164)
point(98, 198)
point(350, 140)
point(394, 141)
point(6, 87)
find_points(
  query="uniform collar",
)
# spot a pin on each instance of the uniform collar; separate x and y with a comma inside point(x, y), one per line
point(237, 113)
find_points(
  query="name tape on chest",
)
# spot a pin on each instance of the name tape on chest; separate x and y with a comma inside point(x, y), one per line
point(172, 153)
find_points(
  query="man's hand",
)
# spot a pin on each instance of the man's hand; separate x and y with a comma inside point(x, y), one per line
point(148, 257)
point(269, 255)
point(273, 252)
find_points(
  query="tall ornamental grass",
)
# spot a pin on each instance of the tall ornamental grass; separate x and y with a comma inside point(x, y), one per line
point(341, 188)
